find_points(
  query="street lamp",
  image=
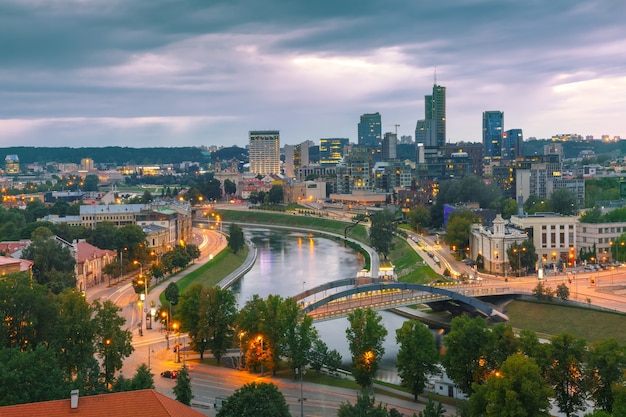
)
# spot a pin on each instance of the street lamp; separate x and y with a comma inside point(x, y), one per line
point(176, 345)
point(519, 260)
point(165, 317)
point(259, 340)
point(618, 257)
point(241, 334)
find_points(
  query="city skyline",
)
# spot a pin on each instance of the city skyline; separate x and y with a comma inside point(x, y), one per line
point(162, 73)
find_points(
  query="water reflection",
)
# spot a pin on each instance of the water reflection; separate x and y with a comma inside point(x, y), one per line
point(289, 262)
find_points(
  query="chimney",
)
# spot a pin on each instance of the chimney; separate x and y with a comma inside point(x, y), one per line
point(74, 398)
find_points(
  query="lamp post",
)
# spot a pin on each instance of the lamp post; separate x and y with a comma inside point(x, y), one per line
point(259, 339)
point(175, 327)
point(618, 257)
point(241, 334)
point(145, 288)
point(167, 327)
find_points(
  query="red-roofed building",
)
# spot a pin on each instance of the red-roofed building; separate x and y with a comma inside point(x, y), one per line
point(89, 263)
point(9, 248)
point(13, 265)
point(121, 404)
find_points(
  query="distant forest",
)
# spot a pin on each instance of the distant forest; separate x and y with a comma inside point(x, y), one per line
point(116, 155)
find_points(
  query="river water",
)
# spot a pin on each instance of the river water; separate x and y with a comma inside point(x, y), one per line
point(290, 261)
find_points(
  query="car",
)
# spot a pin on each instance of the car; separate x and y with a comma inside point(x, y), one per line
point(171, 374)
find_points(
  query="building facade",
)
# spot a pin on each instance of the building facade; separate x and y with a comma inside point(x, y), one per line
point(332, 150)
point(370, 130)
point(492, 243)
point(264, 152)
point(512, 143)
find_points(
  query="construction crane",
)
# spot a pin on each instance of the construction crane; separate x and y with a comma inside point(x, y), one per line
point(396, 126)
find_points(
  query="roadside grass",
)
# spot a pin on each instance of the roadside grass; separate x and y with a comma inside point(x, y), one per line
point(212, 272)
point(548, 320)
point(290, 220)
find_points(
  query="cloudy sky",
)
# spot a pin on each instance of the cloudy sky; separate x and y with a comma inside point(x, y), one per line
point(204, 72)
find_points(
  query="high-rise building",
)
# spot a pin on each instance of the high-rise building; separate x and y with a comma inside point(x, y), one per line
point(264, 152)
point(431, 131)
point(12, 164)
point(390, 144)
point(370, 131)
point(512, 142)
point(493, 124)
point(332, 150)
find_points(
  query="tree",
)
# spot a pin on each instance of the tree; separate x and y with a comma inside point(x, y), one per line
point(255, 400)
point(417, 357)
point(182, 389)
point(53, 264)
point(275, 194)
point(74, 333)
point(193, 251)
point(458, 228)
point(299, 336)
point(566, 373)
point(432, 410)
point(365, 337)
point(381, 232)
point(605, 370)
point(419, 218)
point(516, 390)
point(217, 315)
point(535, 204)
point(365, 407)
point(230, 188)
point(563, 201)
point(465, 358)
point(172, 293)
point(522, 256)
point(236, 240)
point(112, 343)
point(143, 379)
point(562, 291)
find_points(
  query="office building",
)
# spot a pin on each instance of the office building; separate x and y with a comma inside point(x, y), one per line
point(12, 165)
point(389, 146)
point(369, 131)
point(264, 152)
point(493, 122)
point(431, 131)
point(512, 142)
point(332, 150)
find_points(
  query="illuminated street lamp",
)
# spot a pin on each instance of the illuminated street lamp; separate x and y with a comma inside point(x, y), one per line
point(176, 346)
point(519, 259)
point(259, 340)
point(241, 335)
point(164, 316)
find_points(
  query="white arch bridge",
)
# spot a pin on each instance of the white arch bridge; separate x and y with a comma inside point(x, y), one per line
point(339, 298)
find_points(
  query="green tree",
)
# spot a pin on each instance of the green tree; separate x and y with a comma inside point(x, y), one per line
point(522, 256)
point(604, 371)
point(299, 336)
point(458, 228)
point(432, 410)
point(503, 344)
point(217, 316)
point(112, 343)
point(74, 333)
point(53, 264)
point(562, 291)
point(182, 389)
point(193, 251)
point(535, 204)
point(563, 201)
point(419, 218)
point(417, 356)
point(255, 400)
point(30, 375)
point(90, 183)
point(143, 378)
point(365, 406)
point(172, 293)
point(381, 232)
point(275, 194)
point(236, 240)
point(516, 390)
point(566, 373)
point(365, 337)
point(27, 310)
point(465, 358)
point(230, 188)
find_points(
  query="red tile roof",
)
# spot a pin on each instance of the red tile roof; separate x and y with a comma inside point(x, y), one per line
point(86, 250)
point(121, 404)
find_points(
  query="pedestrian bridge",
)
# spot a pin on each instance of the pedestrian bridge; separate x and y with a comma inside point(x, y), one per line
point(339, 298)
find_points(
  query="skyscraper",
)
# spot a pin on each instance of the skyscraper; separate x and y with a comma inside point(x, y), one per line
point(493, 124)
point(431, 131)
point(512, 142)
point(370, 130)
point(264, 152)
point(390, 144)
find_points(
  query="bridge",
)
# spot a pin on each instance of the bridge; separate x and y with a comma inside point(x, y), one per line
point(339, 298)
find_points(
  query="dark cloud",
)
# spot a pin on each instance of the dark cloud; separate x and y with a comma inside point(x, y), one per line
point(214, 70)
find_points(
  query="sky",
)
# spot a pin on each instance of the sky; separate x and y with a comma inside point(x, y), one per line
point(144, 73)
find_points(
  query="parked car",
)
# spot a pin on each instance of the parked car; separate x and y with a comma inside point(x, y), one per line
point(171, 374)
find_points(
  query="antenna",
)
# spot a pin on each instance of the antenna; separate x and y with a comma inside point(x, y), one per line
point(396, 125)
point(435, 75)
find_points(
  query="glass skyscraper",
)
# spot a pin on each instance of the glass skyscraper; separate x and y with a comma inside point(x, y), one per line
point(493, 123)
point(370, 131)
point(264, 152)
point(431, 131)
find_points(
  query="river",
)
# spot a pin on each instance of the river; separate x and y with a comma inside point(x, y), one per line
point(289, 262)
